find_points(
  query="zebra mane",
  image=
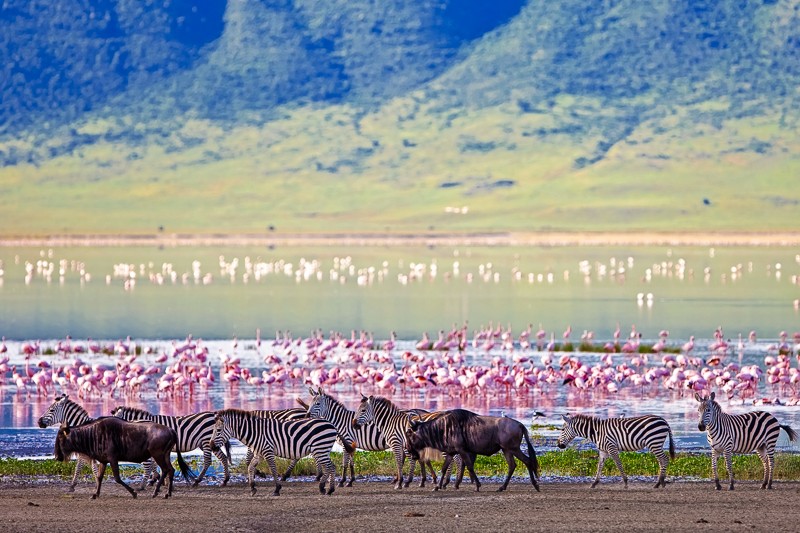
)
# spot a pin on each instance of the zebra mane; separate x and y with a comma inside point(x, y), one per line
point(587, 418)
point(334, 401)
point(69, 403)
point(136, 411)
point(384, 403)
point(237, 412)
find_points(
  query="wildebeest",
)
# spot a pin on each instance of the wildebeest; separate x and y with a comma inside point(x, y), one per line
point(468, 434)
point(109, 440)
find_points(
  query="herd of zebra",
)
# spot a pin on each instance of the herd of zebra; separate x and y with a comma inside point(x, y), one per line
point(379, 425)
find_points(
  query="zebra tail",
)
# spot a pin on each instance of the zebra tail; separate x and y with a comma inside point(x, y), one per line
point(348, 446)
point(671, 446)
point(531, 452)
point(789, 431)
point(187, 473)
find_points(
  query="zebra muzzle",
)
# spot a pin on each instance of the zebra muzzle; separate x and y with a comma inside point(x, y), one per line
point(701, 426)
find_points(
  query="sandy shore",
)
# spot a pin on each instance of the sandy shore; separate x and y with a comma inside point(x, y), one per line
point(376, 507)
point(783, 238)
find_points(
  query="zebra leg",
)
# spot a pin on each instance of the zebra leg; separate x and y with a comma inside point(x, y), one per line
point(663, 463)
point(206, 463)
point(78, 466)
point(412, 464)
point(714, 458)
point(461, 466)
point(149, 467)
point(324, 463)
point(225, 465)
point(346, 458)
point(118, 478)
point(600, 463)
point(729, 466)
point(512, 465)
point(101, 472)
point(762, 454)
point(399, 458)
point(251, 472)
point(771, 457)
point(274, 469)
point(352, 470)
point(618, 462)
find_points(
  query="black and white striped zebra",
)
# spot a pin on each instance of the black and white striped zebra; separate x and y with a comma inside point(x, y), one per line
point(292, 413)
point(392, 423)
point(64, 410)
point(270, 438)
point(193, 431)
point(756, 431)
point(366, 437)
point(613, 435)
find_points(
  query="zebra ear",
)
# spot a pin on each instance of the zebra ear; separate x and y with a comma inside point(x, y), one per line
point(363, 398)
point(713, 394)
point(565, 418)
point(311, 391)
point(697, 397)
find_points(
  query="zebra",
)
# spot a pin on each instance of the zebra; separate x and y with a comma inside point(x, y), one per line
point(193, 432)
point(292, 413)
point(756, 431)
point(613, 435)
point(392, 422)
point(268, 438)
point(63, 410)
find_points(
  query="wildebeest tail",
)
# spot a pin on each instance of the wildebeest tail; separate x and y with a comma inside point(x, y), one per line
point(531, 452)
point(789, 431)
point(187, 473)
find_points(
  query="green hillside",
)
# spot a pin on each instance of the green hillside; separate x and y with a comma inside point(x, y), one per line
point(335, 116)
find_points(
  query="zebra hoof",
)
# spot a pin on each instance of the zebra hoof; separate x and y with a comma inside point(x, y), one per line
point(71, 489)
point(330, 491)
point(350, 483)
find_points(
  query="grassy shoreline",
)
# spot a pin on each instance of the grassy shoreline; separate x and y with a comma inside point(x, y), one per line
point(570, 463)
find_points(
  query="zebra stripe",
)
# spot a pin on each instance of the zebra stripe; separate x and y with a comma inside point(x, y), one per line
point(366, 437)
point(193, 431)
point(292, 413)
point(268, 438)
point(393, 423)
point(613, 435)
point(757, 432)
point(65, 411)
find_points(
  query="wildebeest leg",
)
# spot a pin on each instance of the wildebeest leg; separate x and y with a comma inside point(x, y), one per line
point(118, 478)
point(101, 472)
point(512, 465)
point(445, 467)
point(469, 462)
point(167, 472)
point(528, 462)
point(600, 463)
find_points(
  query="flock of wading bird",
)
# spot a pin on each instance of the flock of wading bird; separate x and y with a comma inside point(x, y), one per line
point(135, 435)
point(494, 362)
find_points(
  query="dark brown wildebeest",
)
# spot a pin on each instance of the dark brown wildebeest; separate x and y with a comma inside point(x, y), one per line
point(109, 440)
point(468, 434)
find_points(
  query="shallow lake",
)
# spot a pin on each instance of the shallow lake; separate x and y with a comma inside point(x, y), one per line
point(224, 295)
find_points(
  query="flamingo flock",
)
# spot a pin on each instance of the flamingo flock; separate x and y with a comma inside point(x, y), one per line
point(495, 362)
